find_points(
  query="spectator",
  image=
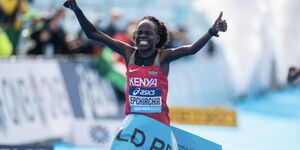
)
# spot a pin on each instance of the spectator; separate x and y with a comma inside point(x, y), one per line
point(6, 47)
point(11, 11)
point(294, 74)
point(211, 49)
point(114, 25)
point(180, 37)
point(51, 39)
point(125, 37)
point(81, 45)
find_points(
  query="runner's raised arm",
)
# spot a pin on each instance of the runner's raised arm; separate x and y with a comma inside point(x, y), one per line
point(176, 53)
point(93, 33)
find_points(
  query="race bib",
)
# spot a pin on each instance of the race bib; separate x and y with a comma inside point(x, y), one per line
point(145, 100)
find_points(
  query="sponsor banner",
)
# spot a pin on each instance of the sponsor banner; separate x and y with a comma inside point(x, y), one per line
point(92, 97)
point(142, 132)
point(99, 133)
point(203, 116)
point(96, 110)
point(34, 105)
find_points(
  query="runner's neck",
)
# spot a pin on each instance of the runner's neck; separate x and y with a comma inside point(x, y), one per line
point(145, 61)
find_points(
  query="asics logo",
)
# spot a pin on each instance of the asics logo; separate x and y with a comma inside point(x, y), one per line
point(136, 91)
point(143, 92)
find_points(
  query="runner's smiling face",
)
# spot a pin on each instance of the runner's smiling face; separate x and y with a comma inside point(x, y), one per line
point(146, 36)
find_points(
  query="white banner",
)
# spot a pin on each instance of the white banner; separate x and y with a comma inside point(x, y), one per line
point(34, 104)
point(99, 133)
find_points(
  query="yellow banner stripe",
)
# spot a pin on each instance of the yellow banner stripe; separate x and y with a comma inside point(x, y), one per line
point(203, 116)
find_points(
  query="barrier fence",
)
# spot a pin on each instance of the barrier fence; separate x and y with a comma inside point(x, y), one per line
point(47, 99)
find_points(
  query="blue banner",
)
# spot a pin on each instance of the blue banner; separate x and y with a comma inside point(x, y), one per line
point(189, 141)
point(91, 96)
point(145, 133)
point(141, 132)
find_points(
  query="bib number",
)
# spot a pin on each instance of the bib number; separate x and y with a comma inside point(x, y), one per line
point(145, 100)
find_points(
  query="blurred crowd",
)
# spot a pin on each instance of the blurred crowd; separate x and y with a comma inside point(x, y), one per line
point(25, 32)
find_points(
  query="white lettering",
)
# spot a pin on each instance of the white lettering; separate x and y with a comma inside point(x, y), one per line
point(147, 92)
point(145, 82)
point(95, 94)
